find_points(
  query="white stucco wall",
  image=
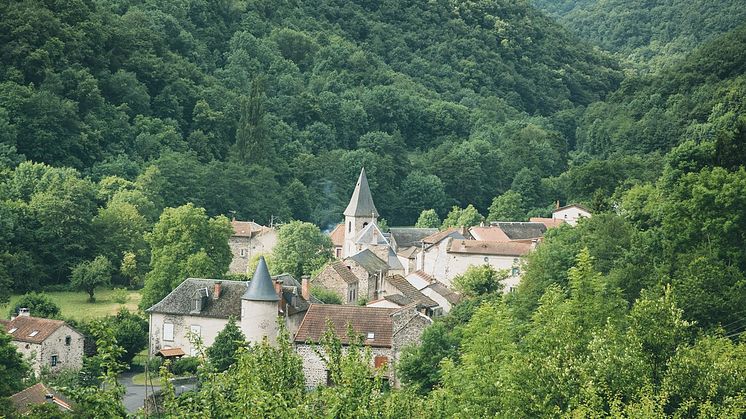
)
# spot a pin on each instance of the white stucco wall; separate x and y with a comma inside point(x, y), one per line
point(570, 215)
point(259, 320)
point(209, 329)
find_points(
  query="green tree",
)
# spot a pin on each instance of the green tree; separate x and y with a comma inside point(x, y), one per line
point(301, 249)
point(428, 219)
point(225, 349)
point(479, 280)
point(507, 207)
point(86, 276)
point(130, 331)
point(39, 304)
point(185, 242)
point(466, 217)
point(15, 372)
point(326, 296)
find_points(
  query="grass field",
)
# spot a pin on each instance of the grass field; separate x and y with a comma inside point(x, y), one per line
point(75, 305)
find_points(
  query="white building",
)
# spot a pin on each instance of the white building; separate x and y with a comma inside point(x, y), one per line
point(571, 213)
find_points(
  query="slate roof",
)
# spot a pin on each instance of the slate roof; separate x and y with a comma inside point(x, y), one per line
point(436, 238)
point(363, 320)
point(482, 247)
point(344, 273)
point(369, 261)
point(394, 262)
point(35, 395)
point(408, 252)
point(338, 235)
point(410, 236)
point(179, 301)
point(371, 234)
point(450, 296)
point(361, 204)
point(398, 299)
point(25, 326)
point(410, 291)
point(261, 287)
point(522, 230)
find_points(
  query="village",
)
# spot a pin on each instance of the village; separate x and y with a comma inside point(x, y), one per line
point(391, 284)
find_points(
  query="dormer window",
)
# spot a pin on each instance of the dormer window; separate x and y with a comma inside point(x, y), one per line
point(33, 333)
point(12, 330)
point(371, 335)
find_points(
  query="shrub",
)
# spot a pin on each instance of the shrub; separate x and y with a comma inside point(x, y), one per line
point(326, 296)
point(120, 295)
point(40, 305)
point(185, 366)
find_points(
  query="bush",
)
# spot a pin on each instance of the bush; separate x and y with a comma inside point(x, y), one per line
point(185, 366)
point(120, 295)
point(40, 305)
point(326, 296)
point(154, 365)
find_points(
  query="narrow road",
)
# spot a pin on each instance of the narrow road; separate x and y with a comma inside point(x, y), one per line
point(134, 397)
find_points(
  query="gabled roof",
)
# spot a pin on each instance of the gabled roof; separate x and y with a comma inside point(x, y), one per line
point(394, 263)
point(578, 206)
point(180, 300)
point(261, 287)
point(245, 228)
point(409, 291)
point(371, 234)
point(436, 238)
point(361, 204)
point(420, 279)
point(369, 261)
point(522, 230)
point(491, 233)
point(410, 236)
point(35, 395)
point(32, 329)
point(344, 272)
point(399, 299)
point(338, 235)
point(549, 222)
point(408, 252)
point(450, 295)
point(362, 320)
point(482, 247)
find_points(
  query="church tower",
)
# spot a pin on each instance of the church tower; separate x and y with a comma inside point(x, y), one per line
point(259, 306)
point(360, 212)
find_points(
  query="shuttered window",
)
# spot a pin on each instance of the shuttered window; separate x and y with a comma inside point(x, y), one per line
point(168, 331)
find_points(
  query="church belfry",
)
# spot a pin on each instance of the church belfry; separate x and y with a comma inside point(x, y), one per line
point(360, 212)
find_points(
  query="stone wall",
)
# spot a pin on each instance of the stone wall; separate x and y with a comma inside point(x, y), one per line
point(408, 326)
point(244, 248)
point(68, 356)
point(330, 280)
point(314, 368)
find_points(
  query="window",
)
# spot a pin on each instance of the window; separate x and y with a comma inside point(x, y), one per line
point(53, 362)
point(242, 252)
point(68, 340)
point(12, 330)
point(33, 333)
point(365, 225)
point(381, 361)
point(168, 331)
point(371, 335)
point(196, 330)
point(339, 252)
point(515, 271)
point(349, 227)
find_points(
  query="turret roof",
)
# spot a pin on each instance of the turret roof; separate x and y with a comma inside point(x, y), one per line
point(261, 287)
point(361, 204)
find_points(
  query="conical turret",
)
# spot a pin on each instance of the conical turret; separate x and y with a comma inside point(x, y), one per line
point(261, 287)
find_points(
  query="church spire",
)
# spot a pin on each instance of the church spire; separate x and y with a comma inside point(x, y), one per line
point(361, 204)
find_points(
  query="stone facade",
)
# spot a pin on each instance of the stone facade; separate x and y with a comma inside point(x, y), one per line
point(68, 353)
point(331, 279)
point(244, 248)
point(314, 368)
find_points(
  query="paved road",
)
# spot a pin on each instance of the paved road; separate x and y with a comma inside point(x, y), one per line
point(135, 394)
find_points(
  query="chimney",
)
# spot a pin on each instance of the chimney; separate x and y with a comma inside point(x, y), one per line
point(278, 290)
point(534, 243)
point(216, 290)
point(49, 398)
point(557, 205)
point(24, 312)
point(305, 288)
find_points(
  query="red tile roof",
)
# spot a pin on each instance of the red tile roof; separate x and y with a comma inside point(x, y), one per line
point(483, 247)
point(492, 233)
point(363, 320)
point(26, 326)
point(549, 222)
point(34, 395)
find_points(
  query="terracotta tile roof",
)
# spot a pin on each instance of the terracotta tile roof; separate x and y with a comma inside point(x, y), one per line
point(436, 238)
point(363, 320)
point(338, 235)
point(32, 329)
point(491, 233)
point(171, 352)
point(35, 395)
point(409, 291)
point(245, 228)
point(344, 273)
point(482, 247)
point(549, 222)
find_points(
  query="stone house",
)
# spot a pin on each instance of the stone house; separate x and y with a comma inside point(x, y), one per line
point(571, 213)
point(46, 343)
point(437, 291)
point(337, 236)
point(398, 292)
point(249, 239)
point(499, 255)
point(338, 277)
point(25, 400)
point(370, 271)
point(386, 331)
point(504, 231)
point(202, 307)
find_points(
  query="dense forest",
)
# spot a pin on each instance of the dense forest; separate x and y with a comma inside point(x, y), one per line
point(128, 129)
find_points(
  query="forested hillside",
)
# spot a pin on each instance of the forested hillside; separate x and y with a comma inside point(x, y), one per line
point(646, 34)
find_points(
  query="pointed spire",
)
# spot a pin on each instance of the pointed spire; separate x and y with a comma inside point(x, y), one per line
point(261, 287)
point(361, 204)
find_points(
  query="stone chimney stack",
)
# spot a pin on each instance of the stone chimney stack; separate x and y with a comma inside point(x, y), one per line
point(305, 287)
point(280, 301)
point(24, 312)
point(216, 290)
